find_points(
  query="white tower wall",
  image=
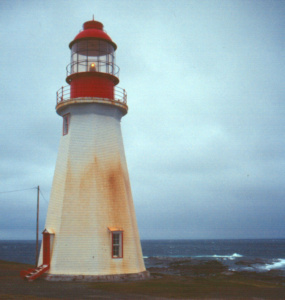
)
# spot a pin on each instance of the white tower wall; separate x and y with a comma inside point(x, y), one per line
point(91, 193)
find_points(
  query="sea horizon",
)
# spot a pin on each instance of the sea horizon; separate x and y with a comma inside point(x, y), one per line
point(258, 255)
point(172, 239)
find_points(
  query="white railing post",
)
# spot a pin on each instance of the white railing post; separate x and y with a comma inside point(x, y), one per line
point(62, 93)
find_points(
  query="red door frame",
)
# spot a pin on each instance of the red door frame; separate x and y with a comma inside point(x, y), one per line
point(46, 247)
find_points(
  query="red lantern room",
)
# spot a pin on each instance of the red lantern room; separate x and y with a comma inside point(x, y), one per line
point(92, 71)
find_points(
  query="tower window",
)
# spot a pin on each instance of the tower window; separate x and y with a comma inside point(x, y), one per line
point(117, 244)
point(65, 126)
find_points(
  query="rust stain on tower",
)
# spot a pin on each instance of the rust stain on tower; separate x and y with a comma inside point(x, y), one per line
point(115, 182)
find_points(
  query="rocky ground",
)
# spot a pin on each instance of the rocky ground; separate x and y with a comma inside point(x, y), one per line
point(170, 279)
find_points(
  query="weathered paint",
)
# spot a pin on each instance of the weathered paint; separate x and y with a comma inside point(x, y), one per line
point(90, 194)
point(88, 100)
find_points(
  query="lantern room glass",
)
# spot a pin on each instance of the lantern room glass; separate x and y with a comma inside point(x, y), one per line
point(92, 55)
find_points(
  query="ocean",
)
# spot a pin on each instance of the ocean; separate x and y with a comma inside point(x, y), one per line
point(239, 255)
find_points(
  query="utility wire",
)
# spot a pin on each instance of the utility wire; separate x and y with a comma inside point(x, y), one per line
point(43, 196)
point(33, 188)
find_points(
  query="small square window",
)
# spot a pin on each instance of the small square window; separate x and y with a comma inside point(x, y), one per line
point(65, 126)
point(117, 244)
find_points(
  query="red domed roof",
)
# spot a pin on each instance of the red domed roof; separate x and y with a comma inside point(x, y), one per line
point(93, 29)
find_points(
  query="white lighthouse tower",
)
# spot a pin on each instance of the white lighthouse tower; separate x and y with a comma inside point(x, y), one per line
point(91, 230)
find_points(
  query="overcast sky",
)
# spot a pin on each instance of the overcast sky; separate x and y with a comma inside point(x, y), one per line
point(205, 133)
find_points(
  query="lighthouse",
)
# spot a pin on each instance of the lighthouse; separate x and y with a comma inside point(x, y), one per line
point(91, 230)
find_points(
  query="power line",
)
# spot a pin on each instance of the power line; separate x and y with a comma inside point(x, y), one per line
point(43, 196)
point(33, 188)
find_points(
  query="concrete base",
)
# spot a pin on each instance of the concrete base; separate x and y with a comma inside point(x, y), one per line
point(98, 278)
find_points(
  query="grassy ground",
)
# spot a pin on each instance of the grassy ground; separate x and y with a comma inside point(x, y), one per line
point(201, 282)
point(221, 287)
